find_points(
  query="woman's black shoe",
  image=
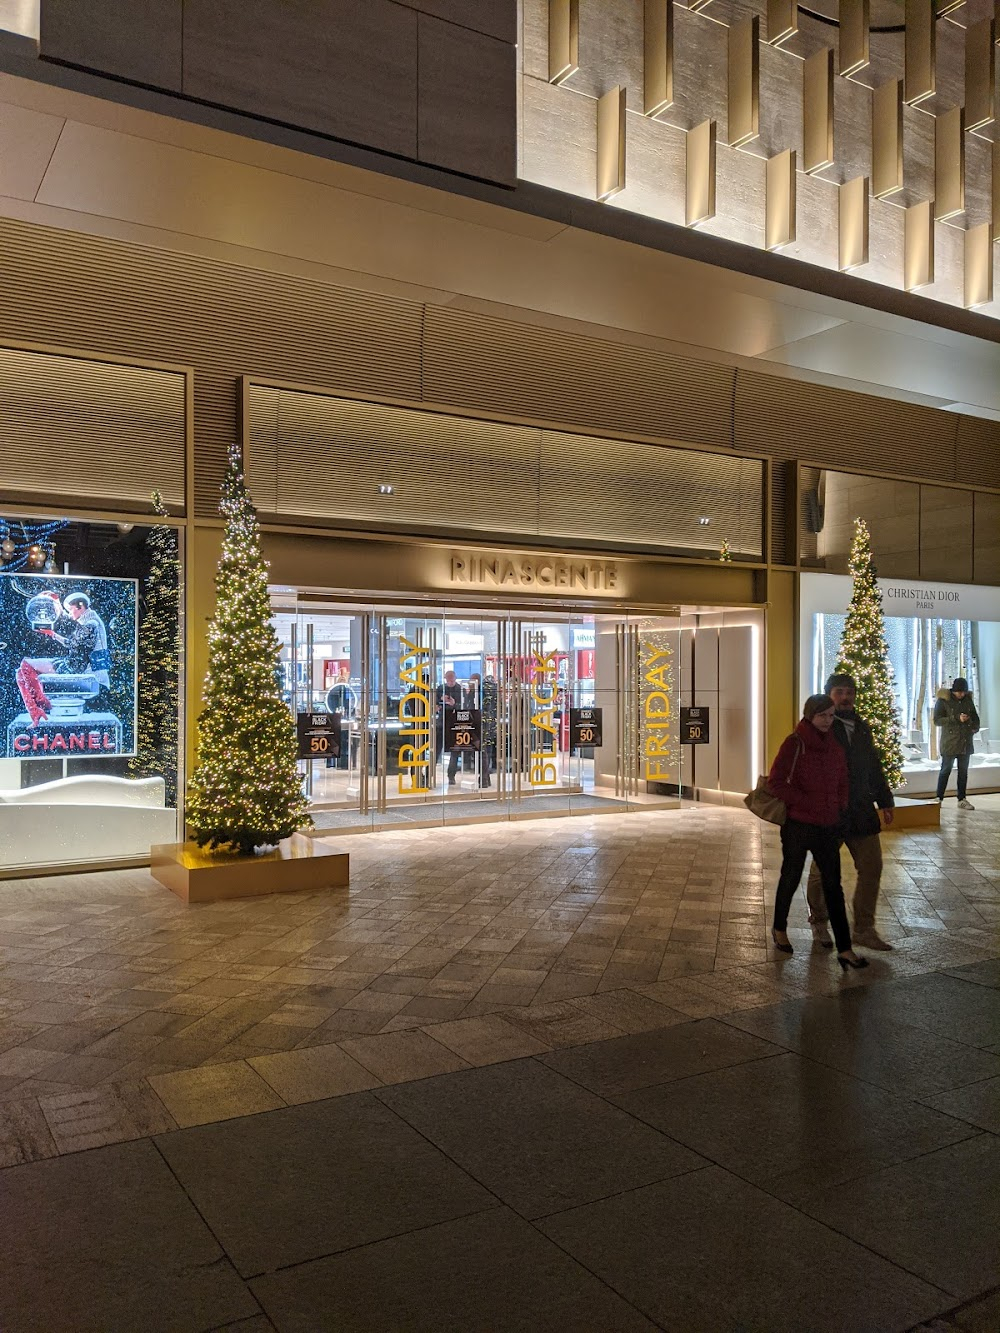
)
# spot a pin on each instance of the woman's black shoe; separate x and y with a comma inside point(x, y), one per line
point(845, 963)
point(786, 947)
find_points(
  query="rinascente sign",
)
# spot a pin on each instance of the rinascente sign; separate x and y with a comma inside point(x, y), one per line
point(534, 573)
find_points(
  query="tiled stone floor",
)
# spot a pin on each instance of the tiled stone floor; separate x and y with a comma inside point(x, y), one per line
point(124, 1013)
point(541, 1076)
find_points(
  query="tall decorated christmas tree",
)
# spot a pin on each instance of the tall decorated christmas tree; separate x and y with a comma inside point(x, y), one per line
point(245, 792)
point(864, 654)
point(159, 659)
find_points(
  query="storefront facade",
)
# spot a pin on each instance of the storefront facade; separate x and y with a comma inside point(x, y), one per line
point(503, 683)
point(479, 441)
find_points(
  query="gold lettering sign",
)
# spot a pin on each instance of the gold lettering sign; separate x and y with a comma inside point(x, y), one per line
point(659, 733)
point(416, 713)
point(534, 573)
point(544, 728)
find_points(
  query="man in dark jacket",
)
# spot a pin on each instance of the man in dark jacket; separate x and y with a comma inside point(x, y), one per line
point(868, 789)
point(955, 714)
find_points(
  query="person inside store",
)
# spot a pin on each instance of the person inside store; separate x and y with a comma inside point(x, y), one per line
point(867, 789)
point(955, 713)
point(809, 775)
point(449, 695)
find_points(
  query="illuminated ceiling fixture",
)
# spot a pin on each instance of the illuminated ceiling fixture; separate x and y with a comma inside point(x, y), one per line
point(703, 522)
point(383, 489)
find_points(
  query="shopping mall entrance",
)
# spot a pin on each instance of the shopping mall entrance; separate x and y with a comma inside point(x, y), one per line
point(447, 716)
point(410, 716)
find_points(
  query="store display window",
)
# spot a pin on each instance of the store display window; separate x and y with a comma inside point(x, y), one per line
point(935, 633)
point(90, 674)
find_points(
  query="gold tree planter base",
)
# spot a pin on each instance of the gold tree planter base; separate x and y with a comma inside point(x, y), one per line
point(911, 812)
point(297, 865)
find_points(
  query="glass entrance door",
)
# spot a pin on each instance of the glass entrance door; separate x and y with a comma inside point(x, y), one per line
point(450, 716)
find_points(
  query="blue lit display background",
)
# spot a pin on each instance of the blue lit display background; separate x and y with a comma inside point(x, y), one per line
point(115, 601)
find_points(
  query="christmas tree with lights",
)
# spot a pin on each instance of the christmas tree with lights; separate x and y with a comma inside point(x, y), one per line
point(245, 792)
point(864, 654)
point(159, 659)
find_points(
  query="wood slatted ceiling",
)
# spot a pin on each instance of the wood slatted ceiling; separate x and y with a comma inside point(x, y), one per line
point(67, 425)
point(523, 370)
point(311, 455)
point(318, 456)
point(978, 452)
point(818, 424)
point(619, 493)
point(123, 299)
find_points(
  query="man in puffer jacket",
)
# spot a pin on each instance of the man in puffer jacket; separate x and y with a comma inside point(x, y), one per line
point(868, 788)
point(956, 715)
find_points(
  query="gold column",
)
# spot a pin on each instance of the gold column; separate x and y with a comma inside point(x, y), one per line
point(854, 223)
point(996, 190)
point(855, 27)
point(817, 111)
point(611, 143)
point(744, 80)
point(782, 21)
point(700, 171)
point(887, 139)
point(978, 265)
point(918, 246)
point(919, 51)
point(564, 39)
point(949, 163)
point(658, 56)
point(779, 211)
point(980, 79)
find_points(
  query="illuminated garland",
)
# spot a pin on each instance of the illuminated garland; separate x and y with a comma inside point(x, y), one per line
point(864, 654)
point(246, 791)
point(35, 550)
point(159, 660)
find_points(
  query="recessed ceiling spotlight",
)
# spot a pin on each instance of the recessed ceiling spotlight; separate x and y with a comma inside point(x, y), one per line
point(703, 522)
point(384, 489)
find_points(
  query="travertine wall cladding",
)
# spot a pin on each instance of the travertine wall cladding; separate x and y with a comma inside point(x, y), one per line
point(559, 141)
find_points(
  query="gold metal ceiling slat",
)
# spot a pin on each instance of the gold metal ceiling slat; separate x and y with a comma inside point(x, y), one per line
point(459, 474)
point(526, 371)
point(118, 298)
point(67, 423)
point(817, 424)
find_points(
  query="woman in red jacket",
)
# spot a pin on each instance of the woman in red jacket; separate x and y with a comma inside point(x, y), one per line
point(809, 774)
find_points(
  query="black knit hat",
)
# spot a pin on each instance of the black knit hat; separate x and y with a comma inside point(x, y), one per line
point(842, 679)
point(961, 684)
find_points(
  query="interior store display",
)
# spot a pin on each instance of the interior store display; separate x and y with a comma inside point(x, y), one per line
point(579, 709)
point(88, 751)
point(157, 733)
point(933, 635)
point(70, 648)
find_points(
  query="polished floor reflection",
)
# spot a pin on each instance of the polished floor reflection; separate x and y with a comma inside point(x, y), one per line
point(122, 1010)
point(316, 1111)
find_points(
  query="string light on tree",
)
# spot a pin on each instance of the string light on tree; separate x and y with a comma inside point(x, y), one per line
point(725, 554)
point(246, 791)
point(864, 654)
point(159, 658)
